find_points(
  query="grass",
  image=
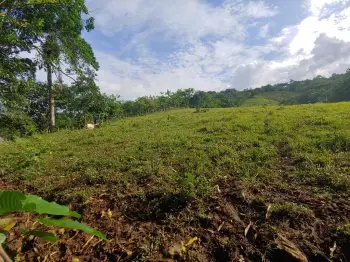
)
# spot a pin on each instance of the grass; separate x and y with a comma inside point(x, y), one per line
point(164, 163)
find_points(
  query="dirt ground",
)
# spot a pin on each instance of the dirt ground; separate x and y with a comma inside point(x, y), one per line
point(240, 228)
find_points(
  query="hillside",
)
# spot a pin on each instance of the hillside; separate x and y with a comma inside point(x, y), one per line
point(320, 89)
point(245, 181)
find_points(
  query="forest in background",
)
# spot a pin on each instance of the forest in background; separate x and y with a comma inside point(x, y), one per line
point(51, 29)
point(26, 111)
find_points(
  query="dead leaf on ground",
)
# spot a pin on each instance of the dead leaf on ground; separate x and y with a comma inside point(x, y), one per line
point(220, 227)
point(332, 249)
point(6, 224)
point(268, 212)
point(191, 241)
point(290, 249)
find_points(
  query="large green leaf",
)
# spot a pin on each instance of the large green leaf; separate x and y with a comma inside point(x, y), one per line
point(42, 234)
point(72, 225)
point(38, 205)
point(11, 201)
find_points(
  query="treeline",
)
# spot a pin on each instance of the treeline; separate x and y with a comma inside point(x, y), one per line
point(52, 29)
point(26, 110)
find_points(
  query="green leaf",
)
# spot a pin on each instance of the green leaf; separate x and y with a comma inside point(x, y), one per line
point(11, 201)
point(2, 238)
point(72, 225)
point(42, 234)
point(38, 205)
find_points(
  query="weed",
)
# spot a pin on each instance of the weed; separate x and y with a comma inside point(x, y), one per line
point(344, 230)
point(290, 210)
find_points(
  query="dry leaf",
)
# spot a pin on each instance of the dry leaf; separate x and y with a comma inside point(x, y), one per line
point(332, 249)
point(219, 228)
point(191, 241)
point(6, 224)
point(292, 252)
point(246, 230)
point(268, 212)
point(109, 213)
point(75, 259)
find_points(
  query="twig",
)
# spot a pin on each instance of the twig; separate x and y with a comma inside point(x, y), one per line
point(4, 256)
point(87, 242)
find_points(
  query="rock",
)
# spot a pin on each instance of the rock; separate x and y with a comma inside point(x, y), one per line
point(287, 251)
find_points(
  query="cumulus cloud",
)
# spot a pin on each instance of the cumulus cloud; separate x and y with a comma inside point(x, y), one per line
point(207, 45)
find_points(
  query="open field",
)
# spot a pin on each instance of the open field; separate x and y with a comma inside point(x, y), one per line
point(242, 180)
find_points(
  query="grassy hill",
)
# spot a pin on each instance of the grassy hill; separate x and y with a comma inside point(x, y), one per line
point(245, 181)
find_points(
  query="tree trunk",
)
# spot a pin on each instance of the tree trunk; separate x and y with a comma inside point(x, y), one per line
point(52, 115)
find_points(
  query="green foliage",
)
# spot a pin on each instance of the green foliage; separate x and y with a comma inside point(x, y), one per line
point(289, 209)
point(175, 167)
point(15, 201)
point(344, 230)
point(66, 223)
point(41, 234)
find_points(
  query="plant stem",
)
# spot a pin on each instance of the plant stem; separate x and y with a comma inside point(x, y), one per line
point(3, 256)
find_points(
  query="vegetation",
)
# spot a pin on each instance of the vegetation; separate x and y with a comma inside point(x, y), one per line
point(253, 178)
point(182, 174)
point(14, 201)
point(52, 30)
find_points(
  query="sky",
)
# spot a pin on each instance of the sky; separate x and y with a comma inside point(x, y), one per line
point(145, 47)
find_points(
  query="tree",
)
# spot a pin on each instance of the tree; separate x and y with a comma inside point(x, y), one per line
point(53, 29)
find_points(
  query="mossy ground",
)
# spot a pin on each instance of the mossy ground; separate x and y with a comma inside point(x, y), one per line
point(174, 175)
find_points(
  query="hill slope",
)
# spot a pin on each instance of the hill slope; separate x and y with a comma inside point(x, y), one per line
point(242, 180)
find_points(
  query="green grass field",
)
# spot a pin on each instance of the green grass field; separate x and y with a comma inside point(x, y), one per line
point(171, 176)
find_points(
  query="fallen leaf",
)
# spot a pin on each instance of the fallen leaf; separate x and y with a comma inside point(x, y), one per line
point(291, 251)
point(183, 246)
point(191, 241)
point(268, 212)
point(6, 224)
point(109, 213)
point(75, 259)
point(220, 227)
point(246, 230)
point(332, 249)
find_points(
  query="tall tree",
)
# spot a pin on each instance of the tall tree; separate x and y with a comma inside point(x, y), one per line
point(53, 28)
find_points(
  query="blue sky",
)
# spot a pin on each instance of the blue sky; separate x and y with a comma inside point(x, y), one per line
point(145, 47)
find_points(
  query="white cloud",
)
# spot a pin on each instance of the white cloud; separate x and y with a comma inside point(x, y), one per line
point(251, 9)
point(208, 44)
point(180, 17)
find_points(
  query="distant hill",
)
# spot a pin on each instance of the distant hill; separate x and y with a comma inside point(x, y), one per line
point(320, 89)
